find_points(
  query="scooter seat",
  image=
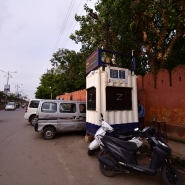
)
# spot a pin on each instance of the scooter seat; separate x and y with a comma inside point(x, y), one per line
point(131, 146)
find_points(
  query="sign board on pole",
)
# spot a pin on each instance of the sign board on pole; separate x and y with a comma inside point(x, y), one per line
point(6, 88)
point(102, 57)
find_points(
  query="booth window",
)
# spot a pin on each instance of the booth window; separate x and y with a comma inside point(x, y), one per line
point(91, 98)
point(118, 98)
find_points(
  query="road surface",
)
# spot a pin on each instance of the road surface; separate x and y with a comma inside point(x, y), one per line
point(27, 159)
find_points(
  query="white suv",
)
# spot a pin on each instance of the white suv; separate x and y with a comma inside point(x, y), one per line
point(31, 110)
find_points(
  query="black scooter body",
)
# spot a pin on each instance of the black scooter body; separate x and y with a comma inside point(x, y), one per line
point(123, 154)
point(124, 135)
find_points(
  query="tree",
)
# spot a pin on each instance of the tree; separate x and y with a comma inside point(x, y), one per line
point(71, 68)
point(153, 29)
point(68, 74)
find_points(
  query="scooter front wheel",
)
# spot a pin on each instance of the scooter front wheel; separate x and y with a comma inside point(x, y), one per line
point(106, 170)
point(171, 175)
point(91, 152)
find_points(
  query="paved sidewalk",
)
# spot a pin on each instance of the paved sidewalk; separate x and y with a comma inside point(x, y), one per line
point(178, 149)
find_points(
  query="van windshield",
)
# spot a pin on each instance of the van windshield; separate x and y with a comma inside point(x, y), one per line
point(34, 104)
point(10, 103)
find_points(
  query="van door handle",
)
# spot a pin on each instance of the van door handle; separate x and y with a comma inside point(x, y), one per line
point(78, 118)
point(75, 118)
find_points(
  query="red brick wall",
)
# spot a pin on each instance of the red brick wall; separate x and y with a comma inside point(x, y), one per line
point(164, 99)
point(77, 95)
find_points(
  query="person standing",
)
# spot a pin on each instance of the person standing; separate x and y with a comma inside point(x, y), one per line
point(141, 115)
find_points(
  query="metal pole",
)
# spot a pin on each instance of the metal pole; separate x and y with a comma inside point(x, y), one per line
point(8, 77)
point(7, 84)
point(107, 36)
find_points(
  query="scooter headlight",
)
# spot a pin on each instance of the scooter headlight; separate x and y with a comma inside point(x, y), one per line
point(163, 144)
point(109, 131)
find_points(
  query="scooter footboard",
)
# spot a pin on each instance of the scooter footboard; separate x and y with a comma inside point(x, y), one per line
point(106, 160)
point(155, 162)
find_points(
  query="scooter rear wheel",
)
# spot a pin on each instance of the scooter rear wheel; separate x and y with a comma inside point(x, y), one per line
point(171, 175)
point(106, 170)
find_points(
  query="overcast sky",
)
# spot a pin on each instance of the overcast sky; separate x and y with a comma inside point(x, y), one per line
point(30, 32)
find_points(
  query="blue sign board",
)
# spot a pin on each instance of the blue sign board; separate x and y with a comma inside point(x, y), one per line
point(95, 60)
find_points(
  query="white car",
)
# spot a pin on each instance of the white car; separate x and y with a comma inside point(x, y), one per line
point(31, 110)
point(10, 106)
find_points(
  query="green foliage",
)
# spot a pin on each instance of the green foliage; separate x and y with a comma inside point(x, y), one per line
point(68, 75)
point(2, 93)
point(10, 97)
point(177, 56)
point(150, 28)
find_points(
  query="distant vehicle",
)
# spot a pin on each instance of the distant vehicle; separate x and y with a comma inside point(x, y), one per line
point(31, 110)
point(23, 106)
point(60, 116)
point(10, 106)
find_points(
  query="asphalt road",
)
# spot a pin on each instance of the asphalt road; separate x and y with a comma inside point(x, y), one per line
point(27, 159)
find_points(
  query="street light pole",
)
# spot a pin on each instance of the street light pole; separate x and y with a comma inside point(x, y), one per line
point(107, 35)
point(107, 25)
point(51, 92)
point(17, 87)
point(8, 76)
point(50, 72)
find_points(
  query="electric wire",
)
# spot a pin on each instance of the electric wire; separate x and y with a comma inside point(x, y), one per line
point(67, 38)
point(64, 24)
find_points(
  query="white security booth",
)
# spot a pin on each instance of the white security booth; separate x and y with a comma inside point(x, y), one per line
point(112, 91)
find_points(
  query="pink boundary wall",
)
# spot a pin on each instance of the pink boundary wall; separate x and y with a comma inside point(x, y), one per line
point(165, 101)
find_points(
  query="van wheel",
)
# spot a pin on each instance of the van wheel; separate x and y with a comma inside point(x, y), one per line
point(49, 133)
point(33, 120)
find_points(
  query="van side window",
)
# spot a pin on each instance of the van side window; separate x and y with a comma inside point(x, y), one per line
point(49, 107)
point(82, 108)
point(68, 107)
point(34, 104)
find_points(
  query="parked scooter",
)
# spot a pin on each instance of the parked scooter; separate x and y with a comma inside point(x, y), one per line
point(130, 136)
point(120, 156)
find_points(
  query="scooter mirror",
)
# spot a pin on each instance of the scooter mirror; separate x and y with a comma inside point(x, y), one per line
point(101, 115)
point(155, 119)
point(136, 129)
